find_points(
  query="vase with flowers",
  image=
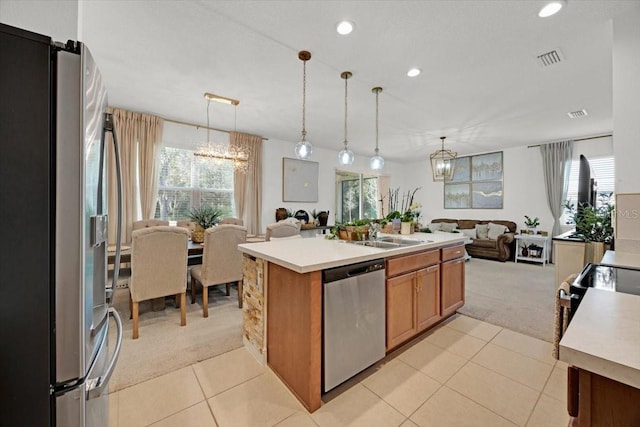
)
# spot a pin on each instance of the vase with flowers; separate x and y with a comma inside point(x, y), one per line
point(409, 217)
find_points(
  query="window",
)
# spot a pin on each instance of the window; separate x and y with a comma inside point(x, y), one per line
point(356, 196)
point(187, 181)
point(604, 172)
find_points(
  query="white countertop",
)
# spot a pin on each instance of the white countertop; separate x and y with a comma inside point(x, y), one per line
point(318, 253)
point(604, 336)
point(621, 259)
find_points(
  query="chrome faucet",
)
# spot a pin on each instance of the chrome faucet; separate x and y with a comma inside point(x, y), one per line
point(374, 228)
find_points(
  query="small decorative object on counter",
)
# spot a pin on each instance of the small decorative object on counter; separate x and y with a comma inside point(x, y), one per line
point(302, 216)
point(323, 217)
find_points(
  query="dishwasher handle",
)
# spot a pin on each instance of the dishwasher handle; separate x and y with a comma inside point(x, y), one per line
point(353, 270)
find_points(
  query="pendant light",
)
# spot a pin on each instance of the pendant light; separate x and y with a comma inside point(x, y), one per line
point(304, 148)
point(443, 163)
point(377, 162)
point(345, 157)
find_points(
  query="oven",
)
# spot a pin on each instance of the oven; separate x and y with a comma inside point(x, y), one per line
point(614, 279)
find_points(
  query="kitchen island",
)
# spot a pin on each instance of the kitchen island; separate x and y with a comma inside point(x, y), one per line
point(283, 299)
point(602, 347)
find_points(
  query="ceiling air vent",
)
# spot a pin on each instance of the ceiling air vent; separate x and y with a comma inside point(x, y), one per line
point(550, 58)
point(577, 114)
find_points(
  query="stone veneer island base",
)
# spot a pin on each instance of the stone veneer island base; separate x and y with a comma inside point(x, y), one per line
point(282, 308)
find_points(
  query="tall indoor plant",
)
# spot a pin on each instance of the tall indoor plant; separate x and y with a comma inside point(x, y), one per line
point(594, 226)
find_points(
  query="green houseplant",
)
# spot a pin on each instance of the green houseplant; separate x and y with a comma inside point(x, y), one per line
point(531, 223)
point(594, 225)
point(204, 218)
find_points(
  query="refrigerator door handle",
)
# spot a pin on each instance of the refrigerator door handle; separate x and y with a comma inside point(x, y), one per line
point(109, 126)
point(95, 386)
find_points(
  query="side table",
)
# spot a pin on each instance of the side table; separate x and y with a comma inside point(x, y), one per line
point(537, 239)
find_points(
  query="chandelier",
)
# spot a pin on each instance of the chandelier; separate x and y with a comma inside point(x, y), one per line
point(443, 163)
point(222, 153)
point(304, 148)
point(345, 156)
point(376, 163)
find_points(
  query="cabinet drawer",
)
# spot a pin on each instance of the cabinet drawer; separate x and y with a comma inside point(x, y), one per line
point(412, 262)
point(452, 252)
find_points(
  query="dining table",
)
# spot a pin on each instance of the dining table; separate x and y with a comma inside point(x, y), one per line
point(194, 251)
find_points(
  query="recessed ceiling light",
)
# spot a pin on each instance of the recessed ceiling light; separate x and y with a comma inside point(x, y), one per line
point(414, 72)
point(344, 27)
point(551, 8)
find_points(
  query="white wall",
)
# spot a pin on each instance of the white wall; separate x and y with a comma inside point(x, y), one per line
point(524, 192)
point(57, 19)
point(272, 154)
point(626, 101)
point(626, 125)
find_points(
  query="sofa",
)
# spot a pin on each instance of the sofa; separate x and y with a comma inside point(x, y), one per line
point(497, 243)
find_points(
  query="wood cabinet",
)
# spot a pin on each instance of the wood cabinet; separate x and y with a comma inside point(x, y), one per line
point(413, 304)
point(594, 400)
point(422, 289)
point(452, 286)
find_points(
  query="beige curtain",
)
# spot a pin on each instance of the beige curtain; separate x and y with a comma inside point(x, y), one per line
point(149, 140)
point(247, 189)
point(139, 138)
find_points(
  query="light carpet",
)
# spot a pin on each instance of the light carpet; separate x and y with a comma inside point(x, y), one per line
point(520, 297)
point(163, 345)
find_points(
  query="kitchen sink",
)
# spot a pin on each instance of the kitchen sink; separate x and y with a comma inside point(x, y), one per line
point(388, 242)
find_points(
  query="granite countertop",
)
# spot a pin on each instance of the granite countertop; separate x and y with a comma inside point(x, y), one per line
point(318, 253)
point(604, 336)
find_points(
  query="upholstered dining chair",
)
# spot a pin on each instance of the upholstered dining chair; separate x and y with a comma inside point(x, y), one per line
point(158, 267)
point(282, 229)
point(146, 223)
point(221, 262)
point(231, 220)
point(189, 225)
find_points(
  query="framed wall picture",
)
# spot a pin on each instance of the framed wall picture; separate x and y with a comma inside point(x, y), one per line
point(457, 196)
point(299, 180)
point(486, 195)
point(476, 183)
point(462, 170)
point(487, 167)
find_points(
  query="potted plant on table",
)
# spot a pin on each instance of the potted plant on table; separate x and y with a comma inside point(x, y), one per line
point(594, 225)
point(204, 218)
point(531, 224)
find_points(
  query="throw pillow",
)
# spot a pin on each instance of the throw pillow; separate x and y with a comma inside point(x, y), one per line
point(434, 226)
point(482, 231)
point(448, 226)
point(495, 230)
point(469, 232)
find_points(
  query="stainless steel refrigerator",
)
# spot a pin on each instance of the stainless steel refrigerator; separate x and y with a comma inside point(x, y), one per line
point(55, 359)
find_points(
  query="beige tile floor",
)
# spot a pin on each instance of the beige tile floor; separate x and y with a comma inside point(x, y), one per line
point(463, 373)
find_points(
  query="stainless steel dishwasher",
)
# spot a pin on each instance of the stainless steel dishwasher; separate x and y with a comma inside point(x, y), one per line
point(353, 319)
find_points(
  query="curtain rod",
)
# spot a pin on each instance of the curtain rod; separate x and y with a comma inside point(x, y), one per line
point(203, 127)
point(579, 139)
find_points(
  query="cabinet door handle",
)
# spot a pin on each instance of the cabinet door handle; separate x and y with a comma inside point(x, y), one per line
point(432, 268)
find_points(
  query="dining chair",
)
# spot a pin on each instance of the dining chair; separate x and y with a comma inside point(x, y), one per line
point(146, 223)
point(158, 268)
point(231, 220)
point(221, 262)
point(282, 229)
point(189, 225)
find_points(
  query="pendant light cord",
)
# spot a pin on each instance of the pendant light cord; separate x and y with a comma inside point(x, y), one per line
point(345, 112)
point(377, 92)
point(304, 97)
point(208, 127)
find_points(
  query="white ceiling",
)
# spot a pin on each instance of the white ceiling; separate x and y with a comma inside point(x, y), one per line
point(481, 84)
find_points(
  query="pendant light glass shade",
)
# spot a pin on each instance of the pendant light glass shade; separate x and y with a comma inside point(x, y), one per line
point(443, 163)
point(345, 156)
point(377, 162)
point(304, 148)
